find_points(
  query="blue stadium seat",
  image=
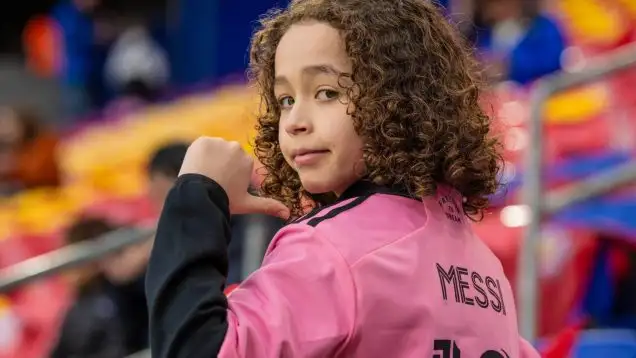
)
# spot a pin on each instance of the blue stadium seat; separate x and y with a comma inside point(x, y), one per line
point(601, 343)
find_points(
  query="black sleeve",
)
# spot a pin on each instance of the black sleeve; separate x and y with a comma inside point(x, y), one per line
point(187, 271)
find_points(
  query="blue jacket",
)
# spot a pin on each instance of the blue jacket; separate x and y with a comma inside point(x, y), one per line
point(77, 34)
point(536, 55)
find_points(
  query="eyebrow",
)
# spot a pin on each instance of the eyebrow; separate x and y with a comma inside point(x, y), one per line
point(313, 70)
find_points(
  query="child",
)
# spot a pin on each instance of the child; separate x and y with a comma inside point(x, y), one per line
point(371, 115)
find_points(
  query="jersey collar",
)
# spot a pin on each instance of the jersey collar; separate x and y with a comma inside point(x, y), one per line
point(367, 188)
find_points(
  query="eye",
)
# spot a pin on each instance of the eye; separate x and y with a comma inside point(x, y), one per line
point(327, 94)
point(286, 102)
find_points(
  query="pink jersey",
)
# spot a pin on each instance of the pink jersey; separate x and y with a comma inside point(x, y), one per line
point(378, 274)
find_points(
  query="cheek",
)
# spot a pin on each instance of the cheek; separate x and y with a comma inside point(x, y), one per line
point(347, 136)
point(283, 143)
point(355, 156)
point(350, 146)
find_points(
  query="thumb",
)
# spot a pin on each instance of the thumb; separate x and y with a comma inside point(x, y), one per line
point(255, 204)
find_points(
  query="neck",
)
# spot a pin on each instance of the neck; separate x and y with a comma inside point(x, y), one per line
point(365, 187)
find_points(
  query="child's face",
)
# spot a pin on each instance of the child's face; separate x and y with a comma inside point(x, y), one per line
point(316, 134)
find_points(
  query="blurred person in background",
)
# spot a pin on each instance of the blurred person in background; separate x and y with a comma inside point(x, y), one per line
point(516, 40)
point(129, 266)
point(252, 229)
point(81, 37)
point(28, 151)
point(137, 67)
point(109, 317)
point(93, 326)
point(163, 168)
point(125, 272)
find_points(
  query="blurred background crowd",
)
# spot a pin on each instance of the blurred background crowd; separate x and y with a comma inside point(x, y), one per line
point(100, 98)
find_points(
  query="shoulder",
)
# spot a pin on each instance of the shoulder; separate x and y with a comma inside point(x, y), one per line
point(321, 214)
point(357, 226)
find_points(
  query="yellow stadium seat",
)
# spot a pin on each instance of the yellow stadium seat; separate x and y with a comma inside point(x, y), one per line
point(577, 105)
point(42, 211)
point(592, 21)
point(97, 155)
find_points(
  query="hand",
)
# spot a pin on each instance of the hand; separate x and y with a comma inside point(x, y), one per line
point(227, 164)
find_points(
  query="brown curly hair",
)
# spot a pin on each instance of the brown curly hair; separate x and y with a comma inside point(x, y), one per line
point(415, 91)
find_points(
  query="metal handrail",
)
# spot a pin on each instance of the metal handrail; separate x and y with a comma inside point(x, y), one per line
point(70, 256)
point(527, 280)
point(587, 188)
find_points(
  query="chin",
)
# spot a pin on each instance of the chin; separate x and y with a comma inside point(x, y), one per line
point(316, 188)
point(317, 184)
point(321, 184)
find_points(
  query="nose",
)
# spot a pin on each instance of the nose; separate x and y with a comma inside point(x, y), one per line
point(298, 121)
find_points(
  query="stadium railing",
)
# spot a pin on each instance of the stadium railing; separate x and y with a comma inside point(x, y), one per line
point(70, 256)
point(540, 204)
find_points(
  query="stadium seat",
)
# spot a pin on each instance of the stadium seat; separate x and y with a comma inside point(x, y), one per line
point(605, 343)
point(594, 23)
point(576, 106)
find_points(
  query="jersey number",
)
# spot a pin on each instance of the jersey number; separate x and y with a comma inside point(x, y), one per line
point(445, 348)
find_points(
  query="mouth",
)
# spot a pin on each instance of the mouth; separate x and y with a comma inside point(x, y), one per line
point(302, 152)
point(308, 156)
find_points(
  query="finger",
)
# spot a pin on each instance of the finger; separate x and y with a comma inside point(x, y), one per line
point(255, 204)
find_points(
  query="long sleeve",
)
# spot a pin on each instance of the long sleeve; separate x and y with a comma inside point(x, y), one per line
point(300, 303)
point(187, 270)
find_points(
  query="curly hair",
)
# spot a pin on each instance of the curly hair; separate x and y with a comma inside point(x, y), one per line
point(415, 95)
